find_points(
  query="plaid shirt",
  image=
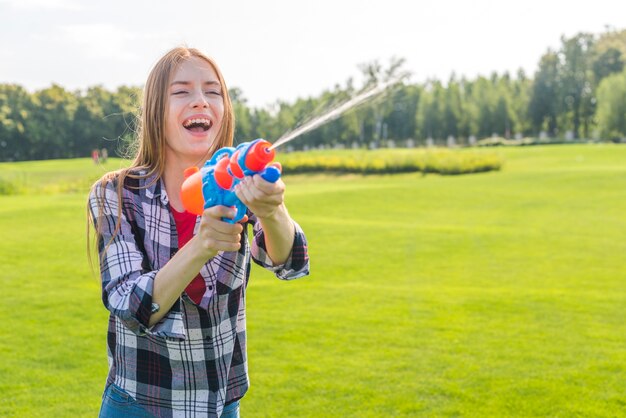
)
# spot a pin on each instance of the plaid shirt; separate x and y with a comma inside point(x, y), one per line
point(193, 361)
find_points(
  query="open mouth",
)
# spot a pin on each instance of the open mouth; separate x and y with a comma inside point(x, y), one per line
point(197, 125)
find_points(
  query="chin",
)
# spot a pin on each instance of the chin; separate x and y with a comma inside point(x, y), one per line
point(193, 147)
point(200, 152)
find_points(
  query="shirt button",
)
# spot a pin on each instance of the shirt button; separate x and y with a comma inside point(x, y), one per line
point(210, 288)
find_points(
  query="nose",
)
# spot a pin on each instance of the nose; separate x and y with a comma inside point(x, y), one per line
point(198, 100)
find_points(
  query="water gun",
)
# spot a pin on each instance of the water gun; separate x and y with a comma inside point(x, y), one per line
point(214, 183)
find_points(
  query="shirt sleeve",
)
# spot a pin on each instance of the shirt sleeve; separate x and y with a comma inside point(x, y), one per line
point(296, 265)
point(126, 284)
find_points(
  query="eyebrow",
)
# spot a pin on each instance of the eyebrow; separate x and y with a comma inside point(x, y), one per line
point(187, 83)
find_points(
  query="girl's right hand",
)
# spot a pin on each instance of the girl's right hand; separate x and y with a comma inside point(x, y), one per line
point(215, 235)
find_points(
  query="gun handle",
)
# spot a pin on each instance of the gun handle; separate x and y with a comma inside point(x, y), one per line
point(233, 201)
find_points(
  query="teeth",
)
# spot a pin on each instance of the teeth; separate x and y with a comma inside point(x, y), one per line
point(192, 121)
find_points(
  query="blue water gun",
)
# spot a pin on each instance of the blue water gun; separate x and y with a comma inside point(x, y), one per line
point(214, 183)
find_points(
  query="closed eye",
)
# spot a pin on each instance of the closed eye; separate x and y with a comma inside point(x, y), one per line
point(179, 92)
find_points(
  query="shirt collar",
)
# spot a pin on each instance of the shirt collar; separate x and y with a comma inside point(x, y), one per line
point(154, 188)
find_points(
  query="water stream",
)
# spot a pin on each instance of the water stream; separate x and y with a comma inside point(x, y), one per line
point(334, 113)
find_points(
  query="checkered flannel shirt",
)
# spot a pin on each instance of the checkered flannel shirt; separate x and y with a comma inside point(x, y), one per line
point(193, 361)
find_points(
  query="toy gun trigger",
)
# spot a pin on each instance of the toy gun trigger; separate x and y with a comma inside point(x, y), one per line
point(272, 172)
point(240, 209)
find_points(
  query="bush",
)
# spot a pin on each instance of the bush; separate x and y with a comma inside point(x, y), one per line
point(441, 161)
point(8, 187)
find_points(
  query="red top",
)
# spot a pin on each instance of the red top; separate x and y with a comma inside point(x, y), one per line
point(185, 222)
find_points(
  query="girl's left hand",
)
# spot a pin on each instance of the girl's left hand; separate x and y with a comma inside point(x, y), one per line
point(262, 197)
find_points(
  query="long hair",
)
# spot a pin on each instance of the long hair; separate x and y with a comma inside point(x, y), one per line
point(148, 149)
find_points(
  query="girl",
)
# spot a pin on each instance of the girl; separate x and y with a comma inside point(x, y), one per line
point(174, 283)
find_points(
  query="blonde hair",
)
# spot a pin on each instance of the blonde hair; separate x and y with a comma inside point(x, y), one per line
point(149, 155)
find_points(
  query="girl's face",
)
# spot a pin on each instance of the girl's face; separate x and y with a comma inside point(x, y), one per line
point(195, 111)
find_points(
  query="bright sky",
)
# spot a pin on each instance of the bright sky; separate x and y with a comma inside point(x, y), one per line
point(284, 49)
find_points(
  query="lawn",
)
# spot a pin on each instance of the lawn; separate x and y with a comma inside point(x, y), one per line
point(499, 294)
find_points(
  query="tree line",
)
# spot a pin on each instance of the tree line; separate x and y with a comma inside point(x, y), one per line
point(577, 91)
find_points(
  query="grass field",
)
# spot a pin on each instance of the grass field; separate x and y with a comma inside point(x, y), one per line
point(500, 294)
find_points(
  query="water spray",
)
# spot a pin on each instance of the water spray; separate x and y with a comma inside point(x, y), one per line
point(334, 113)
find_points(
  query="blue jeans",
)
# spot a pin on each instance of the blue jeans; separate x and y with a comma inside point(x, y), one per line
point(231, 411)
point(116, 403)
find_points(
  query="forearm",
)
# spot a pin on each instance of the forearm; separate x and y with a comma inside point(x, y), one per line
point(279, 232)
point(174, 277)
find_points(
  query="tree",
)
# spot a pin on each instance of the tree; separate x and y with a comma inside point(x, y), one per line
point(520, 100)
point(543, 106)
point(15, 105)
point(576, 98)
point(609, 54)
point(452, 108)
point(126, 103)
point(608, 62)
point(243, 117)
point(612, 106)
point(484, 101)
point(50, 127)
point(429, 117)
point(401, 119)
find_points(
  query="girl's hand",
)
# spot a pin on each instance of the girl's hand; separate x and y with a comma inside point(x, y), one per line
point(263, 198)
point(215, 235)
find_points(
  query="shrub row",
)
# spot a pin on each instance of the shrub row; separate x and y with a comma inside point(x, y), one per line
point(441, 161)
point(499, 141)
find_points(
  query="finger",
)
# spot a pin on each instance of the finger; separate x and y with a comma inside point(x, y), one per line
point(211, 234)
point(208, 221)
point(227, 246)
point(219, 212)
point(244, 194)
point(220, 242)
point(216, 214)
point(253, 197)
point(218, 226)
point(266, 186)
point(257, 193)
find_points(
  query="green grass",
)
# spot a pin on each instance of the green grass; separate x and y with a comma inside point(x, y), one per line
point(52, 176)
point(498, 294)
